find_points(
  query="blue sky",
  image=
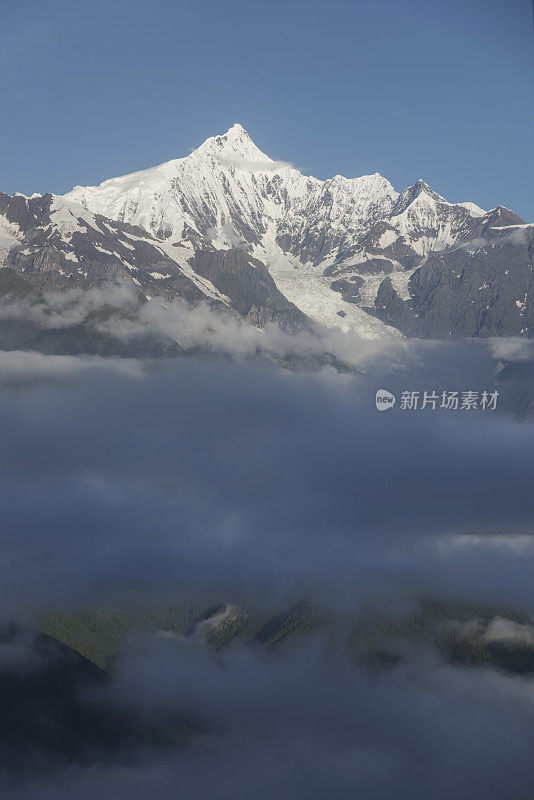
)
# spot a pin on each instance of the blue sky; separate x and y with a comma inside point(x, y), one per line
point(439, 90)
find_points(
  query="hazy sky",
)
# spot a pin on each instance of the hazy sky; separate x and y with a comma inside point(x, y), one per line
point(422, 88)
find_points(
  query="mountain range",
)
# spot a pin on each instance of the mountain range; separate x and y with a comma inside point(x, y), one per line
point(255, 237)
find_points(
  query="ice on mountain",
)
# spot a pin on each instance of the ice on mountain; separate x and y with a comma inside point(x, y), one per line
point(229, 194)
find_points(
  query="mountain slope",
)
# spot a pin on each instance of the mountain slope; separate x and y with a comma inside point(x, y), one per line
point(230, 193)
point(483, 287)
point(329, 245)
point(56, 244)
point(231, 226)
point(58, 709)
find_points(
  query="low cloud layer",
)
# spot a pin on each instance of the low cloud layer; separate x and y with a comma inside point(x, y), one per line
point(63, 309)
point(131, 482)
point(250, 481)
point(311, 724)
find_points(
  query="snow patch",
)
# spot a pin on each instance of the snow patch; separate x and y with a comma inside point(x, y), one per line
point(9, 237)
point(387, 238)
point(400, 280)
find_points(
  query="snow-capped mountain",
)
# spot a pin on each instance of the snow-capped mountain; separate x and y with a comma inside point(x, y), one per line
point(55, 244)
point(59, 244)
point(228, 194)
point(329, 245)
point(229, 224)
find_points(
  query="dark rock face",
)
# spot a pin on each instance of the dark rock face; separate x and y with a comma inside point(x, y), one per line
point(250, 287)
point(86, 337)
point(97, 250)
point(349, 289)
point(23, 212)
point(483, 287)
point(389, 306)
point(515, 380)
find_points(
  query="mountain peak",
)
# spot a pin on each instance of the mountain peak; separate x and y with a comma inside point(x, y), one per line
point(409, 195)
point(234, 145)
point(422, 186)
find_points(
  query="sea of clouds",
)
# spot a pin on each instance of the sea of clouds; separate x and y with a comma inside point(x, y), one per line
point(128, 481)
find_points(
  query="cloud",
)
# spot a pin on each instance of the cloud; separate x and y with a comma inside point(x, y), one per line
point(63, 309)
point(129, 482)
point(512, 349)
point(519, 236)
point(498, 630)
point(246, 481)
point(227, 234)
point(221, 331)
point(23, 368)
point(509, 235)
point(266, 165)
point(310, 723)
point(216, 329)
point(505, 631)
point(475, 244)
point(18, 653)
